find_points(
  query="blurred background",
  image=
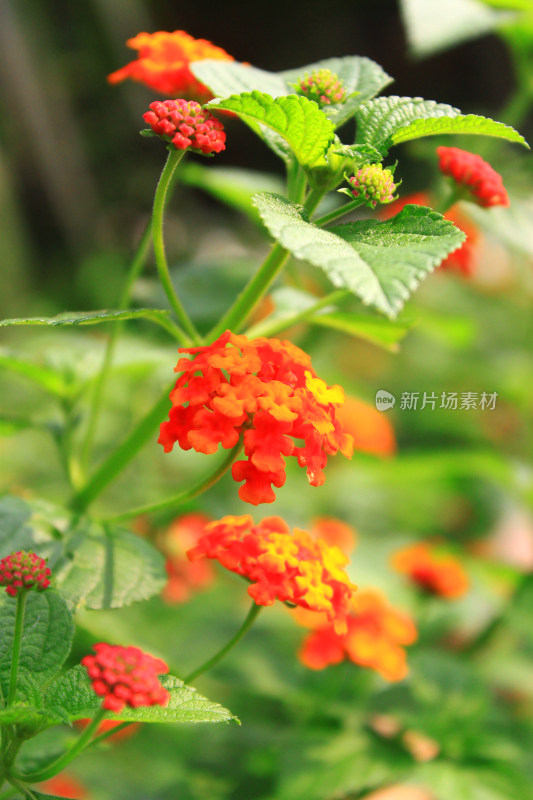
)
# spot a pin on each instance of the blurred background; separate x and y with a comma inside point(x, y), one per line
point(76, 187)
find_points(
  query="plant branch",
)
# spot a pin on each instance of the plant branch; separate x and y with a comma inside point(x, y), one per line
point(271, 327)
point(338, 212)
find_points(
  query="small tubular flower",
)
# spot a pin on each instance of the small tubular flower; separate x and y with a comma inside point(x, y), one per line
point(432, 570)
point(185, 124)
point(21, 571)
point(375, 636)
point(373, 184)
point(293, 568)
point(163, 63)
point(482, 182)
point(185, 577)
point(125, 676)
point(323, 86)
point(265, 390)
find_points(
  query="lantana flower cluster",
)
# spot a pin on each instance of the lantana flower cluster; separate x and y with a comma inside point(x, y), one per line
point(375, 637)
point(163, 63)
point(265, 390)
point(323, 86)
point(434, 571)
point(293, 568)
point(125, 676)
point(482, 182)
point(373, 184)
point(23, 570)
point(186, 124)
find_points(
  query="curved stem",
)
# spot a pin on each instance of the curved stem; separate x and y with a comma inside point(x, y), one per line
point(245, 627)
point(186, 494)
point(245, 303)
point(160, 200)
point(275, 326)
point(338, 212)
point(26, 793)
point(313, 199)
point(63, 761)
point(111, 732)
point(17, 642)
point(96, 400)
point(125, 452)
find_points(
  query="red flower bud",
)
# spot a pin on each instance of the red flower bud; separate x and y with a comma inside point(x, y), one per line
point(23, 570)
point(186, 124)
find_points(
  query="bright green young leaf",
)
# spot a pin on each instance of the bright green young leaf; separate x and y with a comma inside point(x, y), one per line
point(90, 317)
point(297, 120)
point(46, 638)
point(387, 121)
point(74, 694)
point(14, 533)
point(361, 77)
point(232, 186)
point(380, 262)
point(376, 330)
point(45, 377)
point(108, 568)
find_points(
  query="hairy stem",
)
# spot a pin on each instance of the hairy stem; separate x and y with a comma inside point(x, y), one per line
point(338, 212)
point(17, 642)
point(186, 494)
point(245, 627)
point(160, 201)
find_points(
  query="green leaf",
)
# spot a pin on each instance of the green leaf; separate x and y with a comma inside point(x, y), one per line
point(387, 121)
point(45, 377)
point(232, 186)
point(380, 262)
point(108, 568)
point(297, 120)
point(90, 317)
point(225, 78)
point(46, 639)
point(14, 533)
point(376, 330)
point(11, 424)
point(362, 79)
point(31, 720)
point(73, 693)
point(442, 24)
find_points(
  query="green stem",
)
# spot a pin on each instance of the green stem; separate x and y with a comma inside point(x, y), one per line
point(338, 212)
point(125, 452)
point(111, 732)
point(245, 627)
point(245, 303)
point(275, 326)
point(160, 199)
point(27, 793)
point(487, 634)
point(313, 199)
point(455, 194)
point(297, 183)
point(63, 761)
point(8, 794)
point(96, 400)
point(186, 494)
point(17, 642)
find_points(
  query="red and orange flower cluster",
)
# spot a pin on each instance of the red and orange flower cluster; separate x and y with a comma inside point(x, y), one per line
point(293, 568)
point(163, 63)
point(482, 182)
point(435, 572)
point(125, 676)
point(22, 571)
point(186, 124)
point(375, 636)
point(267, 390)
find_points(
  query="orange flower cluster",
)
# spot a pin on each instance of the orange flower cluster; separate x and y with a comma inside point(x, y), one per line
point(185, 577)
point(462, 260)
point(434, 571)
point(371, 429)
point(292, 568)
point(483, 184)
point(65, 785)
point(267, 390)
point(375, 636)
point(163, 63)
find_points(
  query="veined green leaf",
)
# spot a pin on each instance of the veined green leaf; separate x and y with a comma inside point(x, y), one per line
point(73, 692)
point(90, 317)
point(225, 78)
point(45, 377)
point(46, 638)
point(387, 121)
point(108, 568)
point(297, 120)
point(377, 330)
point(380, 262)
point(361, 77)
